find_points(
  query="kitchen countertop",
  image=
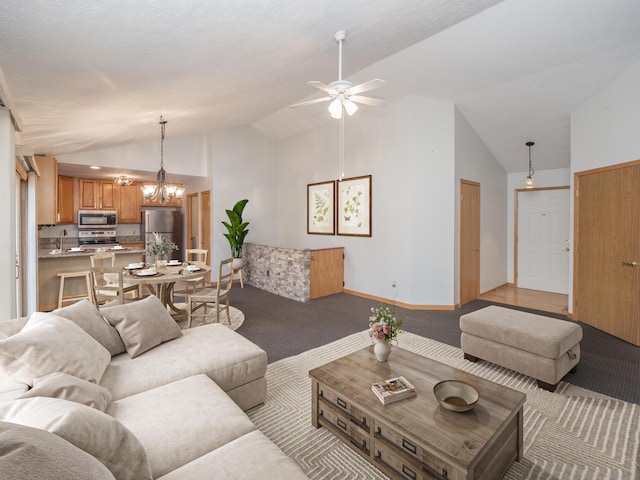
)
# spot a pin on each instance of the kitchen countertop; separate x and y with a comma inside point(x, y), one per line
point(44, 254)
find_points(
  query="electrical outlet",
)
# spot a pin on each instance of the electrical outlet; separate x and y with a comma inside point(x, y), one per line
point(393, 283)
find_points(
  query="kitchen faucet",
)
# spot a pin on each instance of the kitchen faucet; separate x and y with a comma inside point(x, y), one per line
point(63, 233)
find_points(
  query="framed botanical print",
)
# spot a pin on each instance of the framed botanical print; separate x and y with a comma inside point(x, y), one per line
point(353, 212)
point(321, 208)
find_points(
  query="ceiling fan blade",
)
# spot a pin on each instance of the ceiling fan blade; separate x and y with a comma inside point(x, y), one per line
point(323, 87)
point(366, 86)
point(373, 102)
point(311, 102)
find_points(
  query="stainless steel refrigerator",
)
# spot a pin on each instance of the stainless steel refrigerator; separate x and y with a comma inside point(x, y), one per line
point(167, 221)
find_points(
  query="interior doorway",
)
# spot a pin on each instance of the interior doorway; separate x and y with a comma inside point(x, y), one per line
point(607, 257)
point(542, 239)
point(199, 223)
point(469, 241)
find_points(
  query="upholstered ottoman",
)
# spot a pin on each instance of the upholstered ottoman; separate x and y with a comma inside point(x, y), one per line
point(541, 347)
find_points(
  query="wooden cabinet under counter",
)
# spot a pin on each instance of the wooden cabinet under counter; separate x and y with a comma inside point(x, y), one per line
point(326, 272)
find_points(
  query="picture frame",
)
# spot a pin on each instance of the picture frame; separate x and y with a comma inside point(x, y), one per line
point(353, 209)
point(321, 208)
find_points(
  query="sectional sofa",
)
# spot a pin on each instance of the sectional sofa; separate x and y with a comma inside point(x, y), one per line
point(124, 393)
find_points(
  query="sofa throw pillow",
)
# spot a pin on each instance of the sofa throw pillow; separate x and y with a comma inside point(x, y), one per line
point(33, 454)
point(142, 325)
point(86, 316)
point(48, 344)
point(95, 432)
point(65, 386)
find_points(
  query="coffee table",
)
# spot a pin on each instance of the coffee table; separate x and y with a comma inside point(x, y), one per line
point(416, 438)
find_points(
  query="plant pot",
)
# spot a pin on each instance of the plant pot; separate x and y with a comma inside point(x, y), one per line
point(382, 350)
point(237, 264)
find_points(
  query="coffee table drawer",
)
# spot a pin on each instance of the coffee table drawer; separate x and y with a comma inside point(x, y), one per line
point(353, 433)
point(354, 414)
point(397, 445)
point(387, 459)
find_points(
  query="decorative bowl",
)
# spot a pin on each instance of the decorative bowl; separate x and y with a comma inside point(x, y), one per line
point(455, 395)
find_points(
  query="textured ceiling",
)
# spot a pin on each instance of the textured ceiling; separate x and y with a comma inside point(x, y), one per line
point(88, 74)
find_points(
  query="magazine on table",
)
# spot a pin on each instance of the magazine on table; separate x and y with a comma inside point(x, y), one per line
point(393, 389)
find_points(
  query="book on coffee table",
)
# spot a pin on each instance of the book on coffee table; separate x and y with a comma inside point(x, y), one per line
point(393, 389)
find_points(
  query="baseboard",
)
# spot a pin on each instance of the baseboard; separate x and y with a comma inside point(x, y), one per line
point(408, 306)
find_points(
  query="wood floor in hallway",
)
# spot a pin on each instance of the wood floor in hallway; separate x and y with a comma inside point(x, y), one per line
point(535, 299)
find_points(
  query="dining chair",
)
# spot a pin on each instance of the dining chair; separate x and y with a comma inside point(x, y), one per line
point(107, 259)
point(105, 291)
point(198, 255)
point(199, 303)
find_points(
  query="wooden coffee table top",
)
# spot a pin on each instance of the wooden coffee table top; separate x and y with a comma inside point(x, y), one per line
point(458, 436)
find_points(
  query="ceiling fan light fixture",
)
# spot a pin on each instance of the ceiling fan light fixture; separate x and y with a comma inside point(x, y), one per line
point(335, 109)
point(529, 182)
point(350, 107)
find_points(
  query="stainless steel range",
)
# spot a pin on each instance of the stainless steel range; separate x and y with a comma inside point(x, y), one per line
point(96, 238)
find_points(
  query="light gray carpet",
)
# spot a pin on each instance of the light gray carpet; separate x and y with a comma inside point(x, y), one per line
point(573, 433)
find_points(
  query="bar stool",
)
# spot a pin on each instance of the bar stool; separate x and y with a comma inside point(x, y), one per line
point(73, 298)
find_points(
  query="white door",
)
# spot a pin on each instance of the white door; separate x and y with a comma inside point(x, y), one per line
point(543, 240)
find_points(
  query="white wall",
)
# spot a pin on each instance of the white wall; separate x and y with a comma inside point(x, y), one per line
point(475, 162)
point(244, 165)
point(560, 177)
point(408, 148)
point(8, 202)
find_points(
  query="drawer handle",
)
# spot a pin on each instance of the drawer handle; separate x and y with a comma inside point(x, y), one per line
point(321, 393)
point(341, 403)
point(408, 472)
point(341, 424)
point(362, 446)
point(408, 446)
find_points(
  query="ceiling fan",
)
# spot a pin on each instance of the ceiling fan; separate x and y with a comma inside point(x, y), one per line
point(342, 93)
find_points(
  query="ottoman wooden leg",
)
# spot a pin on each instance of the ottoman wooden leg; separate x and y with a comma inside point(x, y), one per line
point(471, 358)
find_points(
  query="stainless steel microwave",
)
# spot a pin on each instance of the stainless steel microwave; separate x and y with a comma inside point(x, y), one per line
point(97, 219)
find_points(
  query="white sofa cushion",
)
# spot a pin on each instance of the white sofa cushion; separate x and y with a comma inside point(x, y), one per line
point(181, 421)
point(68, 387)
point(249, 457)
point(86, 316)
point(93, 431)
point(34, 454)
point(142, 325)
point(48, 344)
point(225, 356)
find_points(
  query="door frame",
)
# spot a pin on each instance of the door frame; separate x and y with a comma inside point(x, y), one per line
point(576, 222)
point(516, 207)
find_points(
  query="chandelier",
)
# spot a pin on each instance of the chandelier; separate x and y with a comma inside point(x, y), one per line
point(123, 181)
point(161, 190)
point(529, 182)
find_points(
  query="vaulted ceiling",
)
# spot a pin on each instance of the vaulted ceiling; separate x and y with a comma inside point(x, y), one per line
point(88, 74)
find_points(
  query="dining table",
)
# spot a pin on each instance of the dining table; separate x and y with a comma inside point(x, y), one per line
point(160, 281)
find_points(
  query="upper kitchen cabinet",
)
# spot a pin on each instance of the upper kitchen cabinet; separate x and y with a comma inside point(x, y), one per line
point(97, 195)
point(174, 202)
point(47, 190)
point(67, 199)
point(129, 199)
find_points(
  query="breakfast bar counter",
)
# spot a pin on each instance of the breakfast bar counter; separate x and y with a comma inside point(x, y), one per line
point(49, 265)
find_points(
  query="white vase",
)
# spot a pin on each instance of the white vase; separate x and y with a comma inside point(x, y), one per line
point(382, 350)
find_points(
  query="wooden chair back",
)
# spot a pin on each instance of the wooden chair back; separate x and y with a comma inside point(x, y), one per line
point(108, 286)
point(196, 254)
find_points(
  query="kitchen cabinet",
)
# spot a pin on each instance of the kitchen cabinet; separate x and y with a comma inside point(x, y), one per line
point(174, 202)
point(97, 194)
point(47, 190)
point(129, 200)
point(67, 203)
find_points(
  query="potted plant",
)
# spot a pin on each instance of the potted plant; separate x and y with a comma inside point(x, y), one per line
point(161, 247)
point(236, 232)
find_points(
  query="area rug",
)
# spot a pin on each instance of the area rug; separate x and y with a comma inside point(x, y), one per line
point(572, 433)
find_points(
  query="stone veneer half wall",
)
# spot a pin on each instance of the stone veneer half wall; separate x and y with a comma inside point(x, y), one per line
point(283, 271)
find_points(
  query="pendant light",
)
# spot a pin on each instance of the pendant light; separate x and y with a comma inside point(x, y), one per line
point(162, 190)
point(529, 182)
point(123, 181)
